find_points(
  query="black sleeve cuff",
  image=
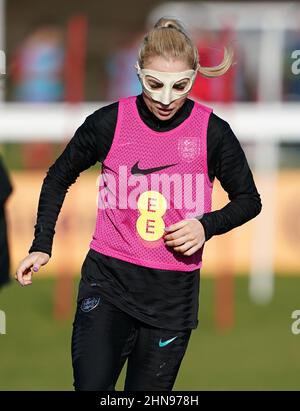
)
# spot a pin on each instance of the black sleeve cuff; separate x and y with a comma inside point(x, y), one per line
point(39, 249)
point(207, 231)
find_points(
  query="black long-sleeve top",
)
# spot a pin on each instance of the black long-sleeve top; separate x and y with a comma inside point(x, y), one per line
point(6, 189)
point(146, 293)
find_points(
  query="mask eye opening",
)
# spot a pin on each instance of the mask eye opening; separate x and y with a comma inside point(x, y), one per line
point(182, 88)
point(152, 82)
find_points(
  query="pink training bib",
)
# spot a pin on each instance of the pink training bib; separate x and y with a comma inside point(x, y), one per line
point(149, 181)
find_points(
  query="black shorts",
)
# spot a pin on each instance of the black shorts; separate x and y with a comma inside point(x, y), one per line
point(104, 337)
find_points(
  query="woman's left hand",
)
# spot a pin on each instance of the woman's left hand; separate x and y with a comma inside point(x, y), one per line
point(186, 236)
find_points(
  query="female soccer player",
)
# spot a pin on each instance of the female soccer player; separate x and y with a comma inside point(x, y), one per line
point(160, 152)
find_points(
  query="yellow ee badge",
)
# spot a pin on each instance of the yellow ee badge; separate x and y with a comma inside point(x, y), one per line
point(152, 205)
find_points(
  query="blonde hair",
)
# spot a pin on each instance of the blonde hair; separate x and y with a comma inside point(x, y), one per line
point(168, 38)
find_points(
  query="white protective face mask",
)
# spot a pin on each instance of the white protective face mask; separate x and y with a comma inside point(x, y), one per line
point(166, 93)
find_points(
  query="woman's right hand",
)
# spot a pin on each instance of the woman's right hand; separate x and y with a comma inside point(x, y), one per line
point(34, 260)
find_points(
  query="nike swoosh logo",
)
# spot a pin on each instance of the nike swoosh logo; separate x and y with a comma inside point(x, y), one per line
point(164, 343)
point(136, 170)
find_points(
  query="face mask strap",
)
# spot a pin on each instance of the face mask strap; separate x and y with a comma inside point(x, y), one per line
point(154, 73)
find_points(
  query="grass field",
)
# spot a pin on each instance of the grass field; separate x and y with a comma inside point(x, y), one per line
point(259, 353)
